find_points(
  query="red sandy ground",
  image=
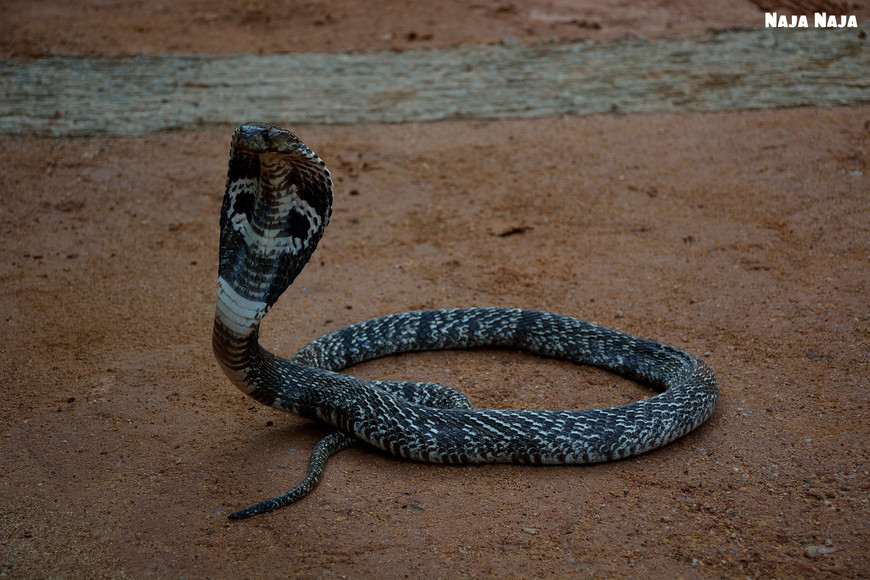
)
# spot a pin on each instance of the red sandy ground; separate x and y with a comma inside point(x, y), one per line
point(741, 237)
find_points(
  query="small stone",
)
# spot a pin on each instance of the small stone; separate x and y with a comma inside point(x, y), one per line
point(815, 551)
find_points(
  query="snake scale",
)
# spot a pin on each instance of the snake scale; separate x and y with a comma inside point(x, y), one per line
point(278, 202)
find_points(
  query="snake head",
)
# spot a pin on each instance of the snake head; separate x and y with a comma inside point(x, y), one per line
point(277, 204)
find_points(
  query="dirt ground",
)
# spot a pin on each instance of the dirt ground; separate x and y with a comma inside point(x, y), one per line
point(741, 237)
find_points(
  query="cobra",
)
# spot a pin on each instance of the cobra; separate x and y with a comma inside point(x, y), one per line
point(278, 202)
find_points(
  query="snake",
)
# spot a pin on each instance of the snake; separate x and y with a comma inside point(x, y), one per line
point(277, 204)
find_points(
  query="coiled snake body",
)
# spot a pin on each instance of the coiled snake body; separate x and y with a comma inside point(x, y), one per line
point(277, 204)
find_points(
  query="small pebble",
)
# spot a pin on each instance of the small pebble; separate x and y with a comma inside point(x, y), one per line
point(815, 551)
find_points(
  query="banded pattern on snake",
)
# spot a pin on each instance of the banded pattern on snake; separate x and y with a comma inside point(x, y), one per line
point(278, 202)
